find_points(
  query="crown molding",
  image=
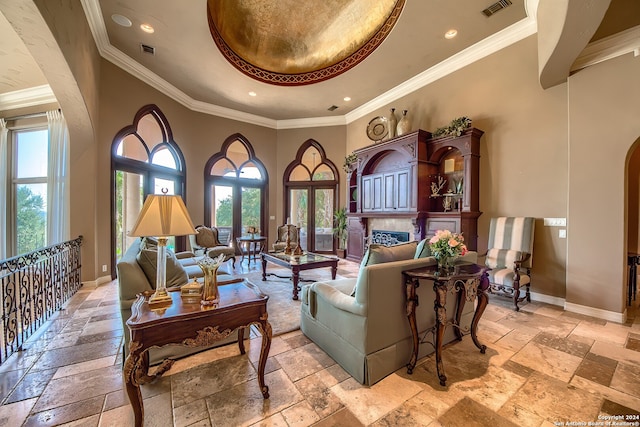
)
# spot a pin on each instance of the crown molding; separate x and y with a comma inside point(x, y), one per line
point(512, 34)
point(30, 97)
point(618, 44)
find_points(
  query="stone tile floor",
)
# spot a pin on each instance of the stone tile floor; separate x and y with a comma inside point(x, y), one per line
point(543, 367)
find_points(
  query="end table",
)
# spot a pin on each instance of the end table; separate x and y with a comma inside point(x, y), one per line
point(468, 280)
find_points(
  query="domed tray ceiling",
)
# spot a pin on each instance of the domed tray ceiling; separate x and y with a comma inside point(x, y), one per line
point(293, 42)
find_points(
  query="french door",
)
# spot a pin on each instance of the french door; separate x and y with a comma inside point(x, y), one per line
point(311, 208)
point(235, 208)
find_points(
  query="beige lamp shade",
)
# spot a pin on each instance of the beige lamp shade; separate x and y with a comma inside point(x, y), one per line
point(162, 216)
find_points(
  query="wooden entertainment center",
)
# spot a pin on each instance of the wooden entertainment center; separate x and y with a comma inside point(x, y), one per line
point(433, 182)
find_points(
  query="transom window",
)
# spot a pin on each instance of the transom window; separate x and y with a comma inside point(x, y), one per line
point(235, 190)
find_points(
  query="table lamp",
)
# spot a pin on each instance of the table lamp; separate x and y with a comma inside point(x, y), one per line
point(162, 216)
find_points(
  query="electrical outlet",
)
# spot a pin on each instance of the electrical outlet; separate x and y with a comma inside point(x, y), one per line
point(555, 222)
point(272, 217)
point(104, 268)
point(562, 233)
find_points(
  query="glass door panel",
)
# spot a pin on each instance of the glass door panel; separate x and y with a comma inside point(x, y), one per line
point(222, 211)
point(160, 184)
point(251, 208)
point(298, 208)
point(165, 186)
point(129, 200)
point(323, 224)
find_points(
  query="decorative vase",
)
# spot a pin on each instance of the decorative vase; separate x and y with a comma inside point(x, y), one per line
point(209, 266)
point(393, 123)
point(404, 124)
point(210, 294)
point(445, 263)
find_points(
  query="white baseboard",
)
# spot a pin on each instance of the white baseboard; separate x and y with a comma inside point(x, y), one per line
point(597, 312)
point(547, 299)
point(93, 284)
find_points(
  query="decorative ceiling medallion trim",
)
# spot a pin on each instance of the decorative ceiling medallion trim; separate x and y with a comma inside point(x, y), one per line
point(299, 79)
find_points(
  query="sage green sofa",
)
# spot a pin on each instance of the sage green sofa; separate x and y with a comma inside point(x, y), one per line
point(362, 322)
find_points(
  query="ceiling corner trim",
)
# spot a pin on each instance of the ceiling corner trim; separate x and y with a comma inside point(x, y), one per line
point(618, 44)
point(30, 97)
point(500, 40)
point(312, 122)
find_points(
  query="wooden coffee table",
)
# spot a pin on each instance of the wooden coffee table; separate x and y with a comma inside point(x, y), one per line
point(307, 261)
point(192, 325)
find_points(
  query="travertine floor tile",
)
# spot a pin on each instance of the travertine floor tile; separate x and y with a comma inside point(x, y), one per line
point(626, 379)
point(549, 361)
point(552, 400)
point(301, 414)
point(369, 404)
point(468, 412)
point(304, 361)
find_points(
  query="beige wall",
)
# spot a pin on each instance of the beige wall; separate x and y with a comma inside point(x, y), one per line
point(523, 164)
point(604, 123)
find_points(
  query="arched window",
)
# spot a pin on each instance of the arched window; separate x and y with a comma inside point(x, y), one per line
point(311, 196)
point(144, 160)
point(236, 185)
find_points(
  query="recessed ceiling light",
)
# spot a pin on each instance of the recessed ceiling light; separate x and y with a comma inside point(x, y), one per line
point(450, 34)
point(147, 28)
point(347, 98)
point(121, 20)
point(252, 93)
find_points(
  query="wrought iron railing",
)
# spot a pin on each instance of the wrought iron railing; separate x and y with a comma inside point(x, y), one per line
point(34, 286)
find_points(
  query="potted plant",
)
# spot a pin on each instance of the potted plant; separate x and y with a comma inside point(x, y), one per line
point(340, 231)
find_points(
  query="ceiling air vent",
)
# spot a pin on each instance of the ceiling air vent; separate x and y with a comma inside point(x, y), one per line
point(147, 49)
point(497, 6)
point(332, 108)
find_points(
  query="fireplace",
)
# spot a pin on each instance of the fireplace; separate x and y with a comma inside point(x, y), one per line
point(388, 237)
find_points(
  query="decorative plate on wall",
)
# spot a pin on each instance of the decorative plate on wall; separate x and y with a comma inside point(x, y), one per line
point(378, 128)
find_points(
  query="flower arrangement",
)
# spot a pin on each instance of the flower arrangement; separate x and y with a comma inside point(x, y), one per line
point(348, 162)
point(252, 230)
point(455, 127)
point(446, 246)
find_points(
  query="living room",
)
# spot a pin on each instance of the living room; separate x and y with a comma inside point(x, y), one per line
point(539, 153)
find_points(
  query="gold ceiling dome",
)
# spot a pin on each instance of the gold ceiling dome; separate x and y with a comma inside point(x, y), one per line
point(294, 42)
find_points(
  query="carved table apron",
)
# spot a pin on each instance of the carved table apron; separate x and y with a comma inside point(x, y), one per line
point(468, 281)
point(192, 325)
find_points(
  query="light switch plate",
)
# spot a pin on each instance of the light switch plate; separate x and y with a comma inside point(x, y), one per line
point(562, 233)
point(555, 222)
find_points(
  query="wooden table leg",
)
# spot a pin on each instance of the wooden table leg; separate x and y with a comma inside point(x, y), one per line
point(296, 279)
point(440, 288)
point(462, 298)
point(265, 330)
point(241, 340)
point(334, 270)
point(264, 269)
point(483, 300)
point(412, 302)
point(135, 372)
point(133, 388)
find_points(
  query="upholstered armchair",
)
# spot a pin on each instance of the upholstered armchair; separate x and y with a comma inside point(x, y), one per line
point(510, 255)
point(281, 239)
point(207, 242)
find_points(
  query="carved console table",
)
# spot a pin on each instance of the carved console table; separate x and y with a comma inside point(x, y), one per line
point(192, 325)
point(468, 281)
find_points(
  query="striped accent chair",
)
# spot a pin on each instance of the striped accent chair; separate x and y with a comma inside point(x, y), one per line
point(510, 255)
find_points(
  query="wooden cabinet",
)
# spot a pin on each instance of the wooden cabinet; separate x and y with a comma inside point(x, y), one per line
point(396, 178)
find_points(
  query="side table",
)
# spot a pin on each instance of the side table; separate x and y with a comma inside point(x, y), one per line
point(468, 281)
point(251, 245)
point(190, 324)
